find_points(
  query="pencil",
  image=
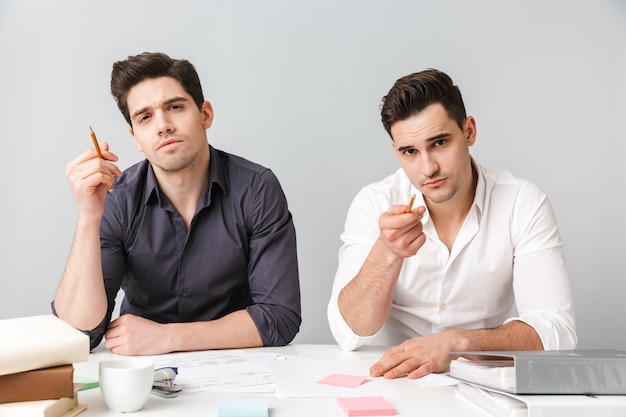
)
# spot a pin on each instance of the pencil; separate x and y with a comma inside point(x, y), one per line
point(408, 208)
point(97, 146)
point(95, 143)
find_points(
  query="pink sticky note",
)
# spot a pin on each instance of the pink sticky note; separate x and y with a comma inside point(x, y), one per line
point(348, 381)
point(366, 406)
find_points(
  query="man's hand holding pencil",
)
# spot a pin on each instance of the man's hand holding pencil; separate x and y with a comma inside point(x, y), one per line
point(90, 175)
point(401, 229)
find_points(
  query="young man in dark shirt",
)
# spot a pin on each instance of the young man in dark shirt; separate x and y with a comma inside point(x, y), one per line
point(201, 241)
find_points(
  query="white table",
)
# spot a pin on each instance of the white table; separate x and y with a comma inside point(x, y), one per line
point(412, 401)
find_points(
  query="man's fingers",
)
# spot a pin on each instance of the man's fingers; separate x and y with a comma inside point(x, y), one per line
point(404, 368)
point(391, 359)
point(422, 370)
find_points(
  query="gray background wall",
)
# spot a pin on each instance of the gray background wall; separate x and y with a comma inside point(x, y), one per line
point(296, 86)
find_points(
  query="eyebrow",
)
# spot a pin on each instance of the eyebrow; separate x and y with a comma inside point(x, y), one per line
point(165, 103)
point(429, 140)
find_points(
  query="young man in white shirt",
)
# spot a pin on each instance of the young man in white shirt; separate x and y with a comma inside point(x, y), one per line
point(444, 275)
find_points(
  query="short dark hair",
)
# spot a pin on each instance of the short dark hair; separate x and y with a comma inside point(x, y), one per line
point(413, 93)
point(130, 72)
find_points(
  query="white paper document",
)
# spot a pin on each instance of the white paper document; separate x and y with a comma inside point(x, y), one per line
point(435, 380)
point(225, 370)
point(299, 377)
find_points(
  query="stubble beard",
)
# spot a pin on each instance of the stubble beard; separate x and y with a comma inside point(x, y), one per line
point(178, 161)
point(436, 198)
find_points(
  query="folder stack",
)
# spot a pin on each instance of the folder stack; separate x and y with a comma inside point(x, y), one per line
point(36, 367)
point(576, 383)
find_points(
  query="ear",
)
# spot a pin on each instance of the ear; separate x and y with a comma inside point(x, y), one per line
point(137, 145)
point(469, 130)
point(207, 115)
point(395, 149)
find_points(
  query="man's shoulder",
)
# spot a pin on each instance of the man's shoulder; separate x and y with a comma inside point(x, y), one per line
point(501, 183)
point(232, 162)
point(241, 176)
point(500, 176)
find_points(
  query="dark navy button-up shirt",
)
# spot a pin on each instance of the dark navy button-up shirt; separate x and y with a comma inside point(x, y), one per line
point(239, 251)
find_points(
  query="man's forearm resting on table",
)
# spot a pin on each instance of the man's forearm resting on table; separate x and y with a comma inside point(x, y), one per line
point(258, 325)
point(235, 330)
point(420, 356)
point(515, 335)
point(134, 335)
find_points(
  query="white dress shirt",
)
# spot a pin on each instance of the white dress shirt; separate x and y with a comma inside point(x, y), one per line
point(508, 253)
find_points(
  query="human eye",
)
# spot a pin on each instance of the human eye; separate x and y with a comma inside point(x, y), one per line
point(439, 143)
point(409, 152)
point(142, 118)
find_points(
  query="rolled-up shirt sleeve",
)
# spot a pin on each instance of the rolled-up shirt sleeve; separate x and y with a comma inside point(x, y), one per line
point(343, 334)
point(541, 281)
point(273, 264)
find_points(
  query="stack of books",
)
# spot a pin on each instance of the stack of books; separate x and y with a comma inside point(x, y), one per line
point(36, 372)
point(573, 383)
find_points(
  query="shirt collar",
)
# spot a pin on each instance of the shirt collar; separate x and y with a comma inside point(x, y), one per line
point(152, 191)
point(480, 193)
point(217, 170)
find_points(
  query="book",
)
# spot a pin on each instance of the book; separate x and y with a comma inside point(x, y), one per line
point(474, 401)
point(39, 384)
point(36, 342)
point(61, 407)
point(595, 371)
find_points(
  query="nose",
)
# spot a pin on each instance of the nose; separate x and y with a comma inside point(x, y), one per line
point(164, 124)
point(430, 167)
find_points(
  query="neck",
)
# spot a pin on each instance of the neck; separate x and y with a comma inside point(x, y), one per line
point(185, 187)
point(455, 209)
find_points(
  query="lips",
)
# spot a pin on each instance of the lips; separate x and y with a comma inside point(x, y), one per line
point(168, 144)
point(434, 183)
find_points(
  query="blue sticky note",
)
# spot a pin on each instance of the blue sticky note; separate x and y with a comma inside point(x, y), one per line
point(242, 408)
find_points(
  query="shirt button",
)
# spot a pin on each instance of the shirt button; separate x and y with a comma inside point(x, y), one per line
point(185, 292)
point(443, 306)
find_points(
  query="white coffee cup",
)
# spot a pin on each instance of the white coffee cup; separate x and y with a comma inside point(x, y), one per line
point(126, 383)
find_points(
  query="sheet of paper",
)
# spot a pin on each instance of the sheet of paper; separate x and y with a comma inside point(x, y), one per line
point(223, 370)
point(435, 380)
point(299, 377)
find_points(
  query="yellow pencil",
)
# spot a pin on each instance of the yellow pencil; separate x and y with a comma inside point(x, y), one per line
point(97, 146)
point(410, 206)
point(95, 143)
